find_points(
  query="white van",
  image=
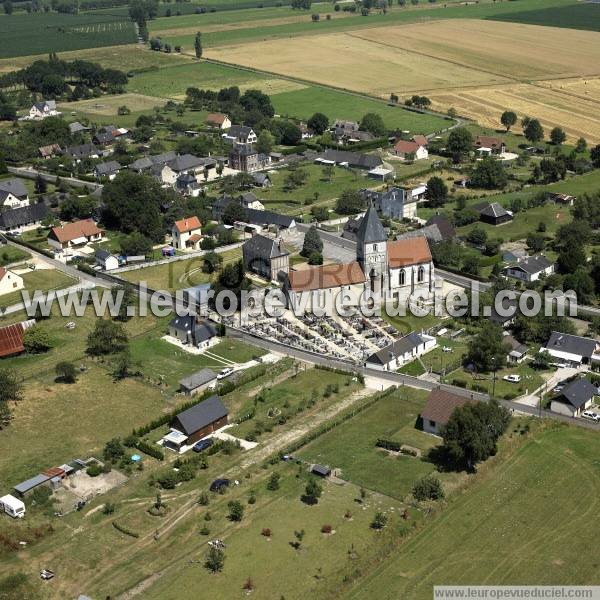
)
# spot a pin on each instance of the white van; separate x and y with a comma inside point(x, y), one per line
point(12, 506)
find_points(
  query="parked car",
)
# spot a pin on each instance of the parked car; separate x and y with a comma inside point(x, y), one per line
point(219, 484)
point(225, 373)
point(512, 378)
point(588, 414)
point(203, 445)
point(558, 389)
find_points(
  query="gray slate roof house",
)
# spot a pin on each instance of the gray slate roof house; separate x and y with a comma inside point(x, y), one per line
point(517, 351)
point(106, 169)
point(530, 268)
point(242, 133)
point(186, 162)
point(573, 348)
point(23, 216)
point(197, 380)
point(390, 203)
point(578, 393)
point(190, 329)
point(199, 417)
point(147, 162)
point(352, 159)
point(13, 187)
point(445, 228)
point(255, 217)
point(82, 151)
point(261, 180)
point(265, 256)
point(77, 127)
point(400, 347)
point(351, 228)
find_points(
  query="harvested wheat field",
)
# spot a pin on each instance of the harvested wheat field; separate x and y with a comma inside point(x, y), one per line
point(109, 105)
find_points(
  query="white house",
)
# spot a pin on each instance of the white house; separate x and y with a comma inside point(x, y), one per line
point(9, 282)
point(191, 330)
point(439, 408)
point(12, 506)
point(13, 193)
point(76, 234)
point(218, 120)
point(41, 110)
point(407, 348)
point(576, 396)
point(406, 149)
point(106, 260)
point(249, 200)
point(187, 233)
point(572, 349)
point(529, 269)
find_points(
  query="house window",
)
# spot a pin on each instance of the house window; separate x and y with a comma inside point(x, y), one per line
point(431, 423)
point(402, 277)
point(374, 247)
point(420, 274)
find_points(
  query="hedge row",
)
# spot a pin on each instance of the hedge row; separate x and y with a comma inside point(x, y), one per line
point(29, 245)
point(388, 444)
point(125, 530)
point(150, 450)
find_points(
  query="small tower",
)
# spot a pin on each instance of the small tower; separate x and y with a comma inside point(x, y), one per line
point(371, 250)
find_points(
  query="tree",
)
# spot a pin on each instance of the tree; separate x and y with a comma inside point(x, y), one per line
point(236, 510)
point(312, 243)
point(36, 340)
point(11, 388)
point(373, 123)
point(570, 258)
point(487, 350)
point(582, 284)
point(350, 202)
point(135, 244)
point(379, 520)
point(508, 119)
point(107, 337)
point(233, 212)
point(121, 365)
point(477, 236)
point(212, 262)
point(66, 372)
point(8, 7)
point(294, 179)
point(40, 185)
point(533, 131)
point(113, 450)
point(437, 192)
point(273, 482)
point(318, 123)
point(536, 242)
point(198, 45)
point(315, 258)
point(557, 136)
point(595, 156)
point(428, 488)
point(312, 492)
point(214, 560)
point(264, 143)
point(460, 142)
point(489, 174)
point(471, 433)
point(581, 145)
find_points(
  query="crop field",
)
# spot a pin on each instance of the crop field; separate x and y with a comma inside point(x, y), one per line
point(579, 16)
point(173, 83)
point(510, 511)
point(52, 32)
point(108, 105)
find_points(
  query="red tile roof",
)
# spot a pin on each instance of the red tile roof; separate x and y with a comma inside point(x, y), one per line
point(421, 140)
point(216, 118)
point(71, 231)
point(441, 404)
point(487, 141)
point(327, 276)
point(410, 251)
point(404, 147)
point(11, 339)
point(188, 224)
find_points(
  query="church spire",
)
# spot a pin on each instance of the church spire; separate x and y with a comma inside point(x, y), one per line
point(370, 229)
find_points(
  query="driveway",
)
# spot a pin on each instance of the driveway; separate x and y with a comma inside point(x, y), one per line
point(554, 379)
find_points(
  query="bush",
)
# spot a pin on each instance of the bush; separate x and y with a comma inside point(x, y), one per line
point(150, 450)
point(125, 530)
point(273, 482)
point(379, 520)
point(388, 444)
point(266, 532)
point(326, 529)
point(428, 488)
point(94, 470)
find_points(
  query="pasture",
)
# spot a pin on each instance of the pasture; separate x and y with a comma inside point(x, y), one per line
point(578, 16)
point(520, 504)
point(25, 34)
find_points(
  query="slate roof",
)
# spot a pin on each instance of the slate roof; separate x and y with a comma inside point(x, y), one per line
point(82, 151)
point(268, 217)
point(370, 230)
point(202, 414)
point(50, 104)
point(260, 178)
point(441, 404)
point(532, 264)
point(494, 210)
point(107, 168)
point(17, 217)
point(401, 346)
point(260, 245)
point(77, 127)
point(515, 345)
point(571, 344)
point(12, 186)
point(184, 162)
point(197, 379)
point(145, 162)
point(578, 392)
point(240, 131)
point(354, 159)
point(201, 330)
point(103, 254)
point(446, 228)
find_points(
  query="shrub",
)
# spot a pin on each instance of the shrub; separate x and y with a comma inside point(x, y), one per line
point(125, 530)
point(204, 530)
point(273, 482)
point(326, 529)
point(203, 499)
point(266, 532)
point(236, 510)
point(109, 508)
point(379, 520)
point(94, 470)
point(388, 444)
point(428, 488)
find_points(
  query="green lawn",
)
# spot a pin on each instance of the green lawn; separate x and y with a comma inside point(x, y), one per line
point(351, 446)
point(336, 104)
point(43, 280)
point(178, 274)
point(509, 511)
point(10, 254)
point(409, 322)
point(414, 368)
point(437, 360)
point(579, 16)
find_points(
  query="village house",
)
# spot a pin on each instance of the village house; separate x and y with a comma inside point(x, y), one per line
point(486, 144)
point(187, 234)
point(517, 352)
point(81, 152)
point(564, 199)
point(77, 127)
point(240, 134)
point(244, 157)
point(409, 150)
point(265, 257)
point(575, 397)
point(196, 422)
point(13, 193)
point(193, 331)
point(436, 229)
point(43, 109)
point(107, 169)
point(23, 218)
point(401, 351)
point(394, 203)
point(249, 200)
point(49, 151)
point(345, 158)
point(439, 408)
point(572, 349)
point(106, 260)
point(262, 180)
point(218, 120)
point(146, 163)
point(109, 134)
point(198, 382)
point(9, 282)
point(187, 184)
point(493, 213)
point(529, 269)
point(76, 234)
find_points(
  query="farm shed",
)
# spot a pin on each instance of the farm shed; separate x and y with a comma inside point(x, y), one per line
point(321, 470)
point(26, 487)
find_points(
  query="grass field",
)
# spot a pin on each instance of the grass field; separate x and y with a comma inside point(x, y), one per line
point(351, 446)
point(178, 274)
point(42, 280)
point(580, 16)
point(25, 34)
point(509, 512)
